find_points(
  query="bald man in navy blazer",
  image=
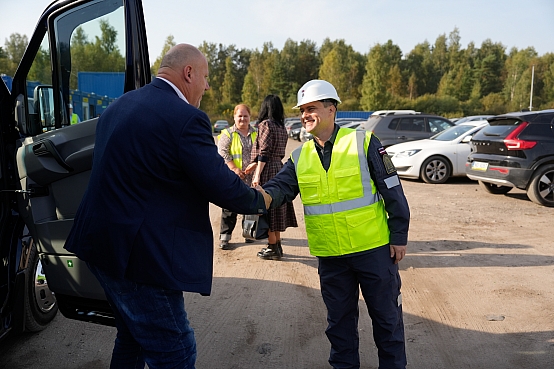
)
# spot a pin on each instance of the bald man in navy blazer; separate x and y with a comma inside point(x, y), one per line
point(143, 225)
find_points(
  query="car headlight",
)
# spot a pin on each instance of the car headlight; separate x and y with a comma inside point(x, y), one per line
point(407, 153)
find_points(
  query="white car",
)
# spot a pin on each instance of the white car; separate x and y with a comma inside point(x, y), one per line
point(438, 158)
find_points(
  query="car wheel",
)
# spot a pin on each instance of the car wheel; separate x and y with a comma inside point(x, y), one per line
point(435, 170)
point(40, 303)
point(541, 188)
point(494, 188)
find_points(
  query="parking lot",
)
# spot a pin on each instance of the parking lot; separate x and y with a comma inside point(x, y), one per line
point(478, 285)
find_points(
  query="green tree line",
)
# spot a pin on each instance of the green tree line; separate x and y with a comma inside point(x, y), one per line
point(440, 77)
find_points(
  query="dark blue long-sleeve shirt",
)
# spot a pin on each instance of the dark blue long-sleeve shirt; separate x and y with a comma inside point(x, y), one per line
point(284, 186)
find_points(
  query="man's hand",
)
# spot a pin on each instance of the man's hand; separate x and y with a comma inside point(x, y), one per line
point(267, 197)
point(398, 252)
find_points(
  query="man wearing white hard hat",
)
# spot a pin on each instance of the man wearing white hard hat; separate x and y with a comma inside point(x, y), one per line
point(74, 117)
point(357, 221)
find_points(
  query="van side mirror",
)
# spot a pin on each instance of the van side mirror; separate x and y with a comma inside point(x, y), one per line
point(466, 139)
point(43, 117)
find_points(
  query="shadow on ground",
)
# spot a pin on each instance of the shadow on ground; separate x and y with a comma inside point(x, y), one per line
point(252, 324)
point(447, 253)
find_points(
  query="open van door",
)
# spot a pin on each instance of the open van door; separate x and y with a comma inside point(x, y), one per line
point(53, 158)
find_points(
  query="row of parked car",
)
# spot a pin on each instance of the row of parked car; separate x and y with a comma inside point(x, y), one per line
point(514, 150)
point(296, 131)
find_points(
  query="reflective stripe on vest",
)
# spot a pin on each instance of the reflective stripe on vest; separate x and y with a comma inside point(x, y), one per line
point(344, 212)
point(368, 197)
point(236, 146)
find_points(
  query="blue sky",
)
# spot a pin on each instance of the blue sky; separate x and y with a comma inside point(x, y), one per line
point(361, 23)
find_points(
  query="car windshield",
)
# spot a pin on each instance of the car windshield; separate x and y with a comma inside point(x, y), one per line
point(472, 118)
point(461, 120)
point(451, 133)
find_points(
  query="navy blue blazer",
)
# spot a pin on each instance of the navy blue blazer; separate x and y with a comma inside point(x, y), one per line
point(145, 213)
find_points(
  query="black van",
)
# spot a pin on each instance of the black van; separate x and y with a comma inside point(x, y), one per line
point(45, 162)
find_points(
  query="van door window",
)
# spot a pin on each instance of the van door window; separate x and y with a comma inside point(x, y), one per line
point(90, 58)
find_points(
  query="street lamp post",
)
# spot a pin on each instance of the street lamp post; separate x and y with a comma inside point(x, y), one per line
point(531, 96)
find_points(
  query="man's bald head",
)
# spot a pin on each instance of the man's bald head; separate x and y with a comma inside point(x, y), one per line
point(187, 68)
point(179, 56)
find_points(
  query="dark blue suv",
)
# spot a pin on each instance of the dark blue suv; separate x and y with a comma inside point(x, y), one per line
point(515, 150)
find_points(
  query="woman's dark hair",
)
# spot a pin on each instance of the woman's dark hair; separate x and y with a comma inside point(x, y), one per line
point(272, 108)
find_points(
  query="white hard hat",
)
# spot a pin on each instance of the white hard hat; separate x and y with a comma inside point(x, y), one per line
point(70, 106)
point(316, 90)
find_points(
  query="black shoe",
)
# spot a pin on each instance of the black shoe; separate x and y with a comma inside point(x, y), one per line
point(247, 240)
point(279, 248)
point(224, 245)
point(270, 253)
point(264, 250)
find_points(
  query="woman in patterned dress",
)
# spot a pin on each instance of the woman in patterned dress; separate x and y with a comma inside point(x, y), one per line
point(267, 155)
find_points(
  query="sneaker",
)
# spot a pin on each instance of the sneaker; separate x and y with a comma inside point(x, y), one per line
point(247, 240)
point(224, 245)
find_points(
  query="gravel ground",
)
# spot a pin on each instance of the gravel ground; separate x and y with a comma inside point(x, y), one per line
point(478, 285)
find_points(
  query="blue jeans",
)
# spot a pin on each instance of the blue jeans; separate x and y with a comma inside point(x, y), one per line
point(151, 323)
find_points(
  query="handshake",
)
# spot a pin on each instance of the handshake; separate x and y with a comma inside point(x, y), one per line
point(267, 197)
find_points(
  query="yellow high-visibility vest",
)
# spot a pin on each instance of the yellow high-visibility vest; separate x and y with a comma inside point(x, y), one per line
point(236, 146)
point(343, 211)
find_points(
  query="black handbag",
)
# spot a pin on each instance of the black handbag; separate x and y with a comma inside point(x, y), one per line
point(255, 227)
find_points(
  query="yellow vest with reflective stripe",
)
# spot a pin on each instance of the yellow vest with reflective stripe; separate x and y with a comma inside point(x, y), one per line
point(74, 118)
point(236, 146)
point(343, 212)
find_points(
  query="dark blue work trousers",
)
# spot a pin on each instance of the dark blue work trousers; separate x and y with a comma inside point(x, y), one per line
point(377, 276)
